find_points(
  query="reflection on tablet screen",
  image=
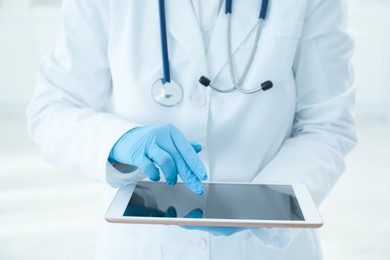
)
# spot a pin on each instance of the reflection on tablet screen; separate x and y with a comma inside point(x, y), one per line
point(220, 201)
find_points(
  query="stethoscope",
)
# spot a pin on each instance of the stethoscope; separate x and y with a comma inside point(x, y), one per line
point(168, 93)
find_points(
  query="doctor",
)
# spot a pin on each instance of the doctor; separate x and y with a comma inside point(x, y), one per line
point(120, 93)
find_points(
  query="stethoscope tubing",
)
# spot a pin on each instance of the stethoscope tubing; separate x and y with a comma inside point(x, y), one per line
point(228, 6)
point(164, 43)
point(238, 84)
point(263, 9)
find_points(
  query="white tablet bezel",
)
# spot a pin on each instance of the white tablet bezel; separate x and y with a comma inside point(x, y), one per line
point(306, 203)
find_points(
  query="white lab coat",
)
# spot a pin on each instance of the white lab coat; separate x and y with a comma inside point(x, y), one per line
point(96, 85)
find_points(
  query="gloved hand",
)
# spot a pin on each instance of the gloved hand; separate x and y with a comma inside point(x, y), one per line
point(165, 146)
point(215, 231)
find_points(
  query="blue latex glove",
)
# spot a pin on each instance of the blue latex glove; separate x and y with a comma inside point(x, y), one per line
point(164, 146)
point(216, 231)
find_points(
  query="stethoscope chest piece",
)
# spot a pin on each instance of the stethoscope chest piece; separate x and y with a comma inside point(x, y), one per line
point(168, 94)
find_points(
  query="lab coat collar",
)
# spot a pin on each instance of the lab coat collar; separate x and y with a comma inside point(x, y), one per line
point(243, 22)
point(183, 26)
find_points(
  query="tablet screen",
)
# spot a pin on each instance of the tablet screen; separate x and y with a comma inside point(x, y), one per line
point(219, 201)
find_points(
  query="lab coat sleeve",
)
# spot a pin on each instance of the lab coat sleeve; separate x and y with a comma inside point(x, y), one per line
point(69, 113)
point(323, 130)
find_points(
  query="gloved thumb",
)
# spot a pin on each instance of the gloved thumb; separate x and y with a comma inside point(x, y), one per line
point(197, 147)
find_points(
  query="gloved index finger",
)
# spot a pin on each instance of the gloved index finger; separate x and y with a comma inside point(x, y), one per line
point(189, 155)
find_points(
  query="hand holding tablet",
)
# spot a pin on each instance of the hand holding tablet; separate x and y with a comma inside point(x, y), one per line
point(172, 213)
point(221, 205)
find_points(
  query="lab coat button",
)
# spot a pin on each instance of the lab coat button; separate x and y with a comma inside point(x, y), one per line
point(201, 243)
point(199, 100)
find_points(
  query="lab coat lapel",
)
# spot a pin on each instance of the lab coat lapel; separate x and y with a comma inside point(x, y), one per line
point(244, 18)
point(183, 26)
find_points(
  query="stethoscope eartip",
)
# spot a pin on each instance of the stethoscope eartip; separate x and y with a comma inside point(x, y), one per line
point(204, 81)
point(266, 85)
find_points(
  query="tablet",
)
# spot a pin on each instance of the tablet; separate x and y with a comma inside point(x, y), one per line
point(222, 204)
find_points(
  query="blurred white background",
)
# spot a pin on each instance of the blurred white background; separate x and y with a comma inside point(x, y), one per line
point(39, 204)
